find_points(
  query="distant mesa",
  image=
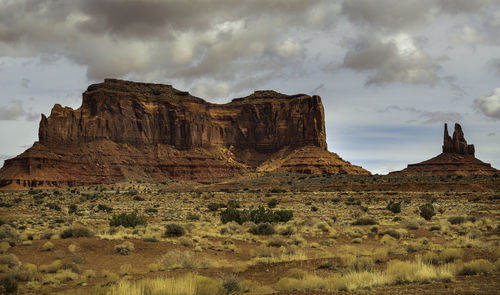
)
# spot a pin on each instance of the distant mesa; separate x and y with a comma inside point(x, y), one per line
point(151, 132)
point(457, 158)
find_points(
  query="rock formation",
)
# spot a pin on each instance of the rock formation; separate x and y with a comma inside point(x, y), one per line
point(141, 131)
point(457, 158)
point(457, 144)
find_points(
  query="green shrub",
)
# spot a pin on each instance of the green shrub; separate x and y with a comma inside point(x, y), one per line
point(214, 206)
point(54, 206)
point(233, 204)
point(9, 283)
point(427, 211)
point(72, 209)
point(76, 232)
point(128, 220)
point(151, 210)
point(365, 221)
point(257, 216)
point(193, 217)
point(272, 203)
point(457, 219)
point(174, 230)
point(394, 207)
point(231, 284)
point(262, 229)
point(105, 208)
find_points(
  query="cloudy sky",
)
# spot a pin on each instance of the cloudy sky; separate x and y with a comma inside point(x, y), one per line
point(390, 72)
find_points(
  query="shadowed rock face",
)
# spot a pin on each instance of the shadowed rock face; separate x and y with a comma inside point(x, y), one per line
point(457, 158)
point(457, 144)
point(127, 130)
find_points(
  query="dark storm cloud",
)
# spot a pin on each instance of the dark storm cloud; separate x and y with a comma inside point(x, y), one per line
point(163, 39)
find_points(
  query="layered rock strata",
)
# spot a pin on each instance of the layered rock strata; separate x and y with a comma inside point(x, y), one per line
point(141, 131)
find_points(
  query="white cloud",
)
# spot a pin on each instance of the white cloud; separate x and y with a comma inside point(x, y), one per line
point(468, 35)
point(288, 48)
point(393, 58)
point(489, 105)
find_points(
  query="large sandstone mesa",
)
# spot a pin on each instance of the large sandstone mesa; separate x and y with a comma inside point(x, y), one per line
point(141, 131)
point(457, 158)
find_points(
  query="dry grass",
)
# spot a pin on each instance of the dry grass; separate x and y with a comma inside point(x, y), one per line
point(189, 284)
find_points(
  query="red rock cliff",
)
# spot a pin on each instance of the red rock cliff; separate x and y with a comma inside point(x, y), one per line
point(127, 130)
point(148, 114)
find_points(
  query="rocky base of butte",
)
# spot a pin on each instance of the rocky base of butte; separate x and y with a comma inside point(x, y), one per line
point(140, 131)
point(457, 158)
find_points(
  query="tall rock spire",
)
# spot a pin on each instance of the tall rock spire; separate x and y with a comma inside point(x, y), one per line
point(457, 144)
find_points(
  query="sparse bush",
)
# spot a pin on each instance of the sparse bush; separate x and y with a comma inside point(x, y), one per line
point(76, 232)
point(214, 206)
point(125, 269)
point(475, 267)
point(276, 242)
point(9, 284)
point(393, 233)
point(362, 264)
point(272, 203)
point(287, 231)
point(150, 210)
point(457, 219)
point(9, 234)
point(427, 211)
point(174, 230)
point(105, 208)
point(193, 217)
point(125, 248)
point(72, 209)
point(450, 255)
point(48, 246)
point(366, 220)
point(128, 220)
point(411, 224)
point(262, 229)
point(259, 215)
point(430, 258)
point(231, 284)
point(10, 260)
point(176, 259)
point(394, 207)
point(51, 268)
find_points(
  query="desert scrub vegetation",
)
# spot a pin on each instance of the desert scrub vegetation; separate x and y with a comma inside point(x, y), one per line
point(397, 272)
point(128, 220)
point(427, 211)
point(262, 229)
point(76, 232)
point(189, 284)
point(394, 207)
point(174, 230)
point(125, 248)
point(259, 215)
point(176, 259)
point(365, 220)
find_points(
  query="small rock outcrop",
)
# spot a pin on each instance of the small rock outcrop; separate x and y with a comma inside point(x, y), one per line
point(141, 131)
point(457, 158)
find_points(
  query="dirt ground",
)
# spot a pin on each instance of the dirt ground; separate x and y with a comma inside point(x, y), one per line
point(325, 237)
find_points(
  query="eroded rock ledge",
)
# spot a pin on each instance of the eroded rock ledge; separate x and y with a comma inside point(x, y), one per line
point(127, 130)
